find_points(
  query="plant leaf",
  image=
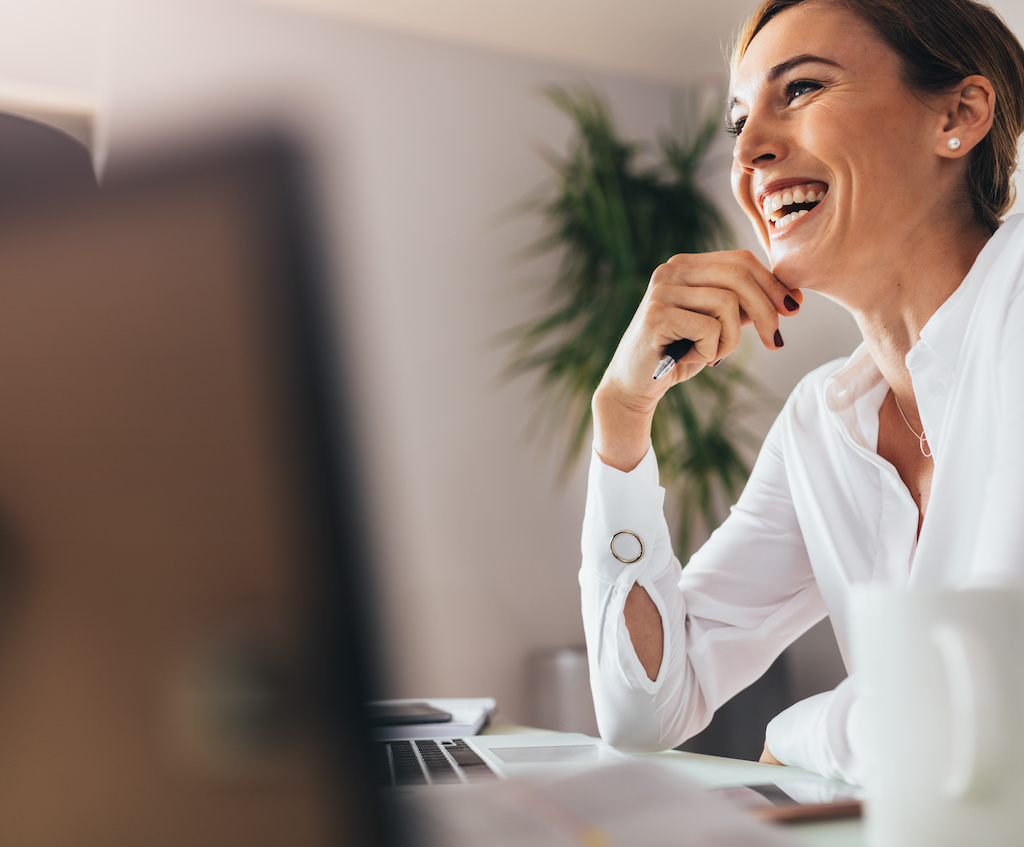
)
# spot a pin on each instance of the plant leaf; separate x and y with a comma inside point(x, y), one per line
point(612, 220)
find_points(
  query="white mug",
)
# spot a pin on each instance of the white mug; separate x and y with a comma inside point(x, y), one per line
point(941, 680)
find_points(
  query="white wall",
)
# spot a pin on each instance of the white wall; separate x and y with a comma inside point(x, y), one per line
point(424, 147)
point(49, 62)
point(51, 46)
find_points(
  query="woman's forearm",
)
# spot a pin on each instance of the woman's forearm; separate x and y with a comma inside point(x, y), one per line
point(646, 629)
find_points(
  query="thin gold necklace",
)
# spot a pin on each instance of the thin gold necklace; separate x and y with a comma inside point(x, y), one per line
point(922, 438)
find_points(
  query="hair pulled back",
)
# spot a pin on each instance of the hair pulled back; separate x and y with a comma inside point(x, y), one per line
point(940, 42)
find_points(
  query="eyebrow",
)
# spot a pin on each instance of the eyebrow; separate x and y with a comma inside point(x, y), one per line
point(784, 67)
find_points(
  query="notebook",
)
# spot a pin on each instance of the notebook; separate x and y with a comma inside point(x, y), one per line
point(465, 716)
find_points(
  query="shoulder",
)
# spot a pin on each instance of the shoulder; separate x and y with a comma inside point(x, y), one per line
point(809, 404)
point(1003, 257)
point(994, 285)
point(818, 378)
point(812, 390)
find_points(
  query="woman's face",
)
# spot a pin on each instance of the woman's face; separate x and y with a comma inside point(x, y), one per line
point(834, 162)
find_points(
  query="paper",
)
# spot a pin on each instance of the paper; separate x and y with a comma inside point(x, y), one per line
point(634, 804)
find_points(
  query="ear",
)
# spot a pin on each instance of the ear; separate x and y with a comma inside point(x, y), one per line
point(968, 112)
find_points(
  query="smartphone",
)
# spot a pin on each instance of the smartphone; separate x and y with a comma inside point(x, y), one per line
point(796, 800)
point(402, 713)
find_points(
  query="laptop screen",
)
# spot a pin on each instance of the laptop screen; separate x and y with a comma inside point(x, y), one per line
point(181, 653)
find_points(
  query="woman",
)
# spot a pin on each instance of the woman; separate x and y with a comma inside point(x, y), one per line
point(875, 144)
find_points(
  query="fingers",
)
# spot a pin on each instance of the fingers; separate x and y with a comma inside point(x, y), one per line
point(709, 317)
point(706, 298)
point(760, 297)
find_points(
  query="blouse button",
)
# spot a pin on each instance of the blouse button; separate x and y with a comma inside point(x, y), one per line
point(627, 547)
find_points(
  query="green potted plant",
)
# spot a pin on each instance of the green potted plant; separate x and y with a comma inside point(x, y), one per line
point(614, 211)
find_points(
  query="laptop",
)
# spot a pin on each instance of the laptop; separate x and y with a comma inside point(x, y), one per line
point(445, 762)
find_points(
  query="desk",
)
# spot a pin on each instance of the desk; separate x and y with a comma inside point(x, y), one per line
point(715, 772)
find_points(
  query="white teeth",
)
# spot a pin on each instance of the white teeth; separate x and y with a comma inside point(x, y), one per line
point(798, 195)
point(787, 219)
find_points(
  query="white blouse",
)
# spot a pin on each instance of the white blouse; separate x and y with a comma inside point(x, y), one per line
point(820, 512)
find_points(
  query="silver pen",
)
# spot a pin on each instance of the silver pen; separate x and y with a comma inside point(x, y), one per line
point(673, 353)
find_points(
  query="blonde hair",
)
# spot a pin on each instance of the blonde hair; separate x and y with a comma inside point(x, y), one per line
point(940, 42)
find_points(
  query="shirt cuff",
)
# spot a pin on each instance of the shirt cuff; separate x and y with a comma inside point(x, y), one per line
point(623, 520)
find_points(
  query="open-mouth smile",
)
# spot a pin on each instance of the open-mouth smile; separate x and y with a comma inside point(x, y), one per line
point(783, 206)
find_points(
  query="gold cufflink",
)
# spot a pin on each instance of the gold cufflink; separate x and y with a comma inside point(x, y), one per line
point(615, 552)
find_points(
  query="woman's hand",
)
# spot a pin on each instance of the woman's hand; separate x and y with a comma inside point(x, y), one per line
point(705, 297)
point(767, 758)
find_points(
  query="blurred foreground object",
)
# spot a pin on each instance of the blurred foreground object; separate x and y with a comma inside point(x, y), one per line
point(940, 663)
point(39, 163)
point(177, 526)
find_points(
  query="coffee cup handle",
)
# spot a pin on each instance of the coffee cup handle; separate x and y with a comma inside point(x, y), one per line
point(971, 687)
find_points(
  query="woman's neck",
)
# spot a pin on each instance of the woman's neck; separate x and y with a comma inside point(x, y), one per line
point(892, 312)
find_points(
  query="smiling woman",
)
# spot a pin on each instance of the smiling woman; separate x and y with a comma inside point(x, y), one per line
point(875, 143)
point(939, 46)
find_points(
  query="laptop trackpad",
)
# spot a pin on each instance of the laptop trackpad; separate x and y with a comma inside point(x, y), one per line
point(569, 753)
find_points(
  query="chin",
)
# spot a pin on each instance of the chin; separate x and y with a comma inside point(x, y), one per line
point(794, 272)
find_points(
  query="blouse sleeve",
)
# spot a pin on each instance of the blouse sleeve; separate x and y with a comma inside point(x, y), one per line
point(742, 599)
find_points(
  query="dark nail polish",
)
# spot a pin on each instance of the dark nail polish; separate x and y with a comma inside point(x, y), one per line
point(778, 339)
point(790, 303)
point(716, 364)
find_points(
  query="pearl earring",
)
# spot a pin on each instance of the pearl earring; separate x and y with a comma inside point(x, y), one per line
point(953, 144)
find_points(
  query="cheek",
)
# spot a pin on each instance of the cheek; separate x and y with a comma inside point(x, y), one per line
point(737, 180)
point(741, 193)
point(741, 190)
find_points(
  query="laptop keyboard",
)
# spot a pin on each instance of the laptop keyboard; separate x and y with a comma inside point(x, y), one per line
point(431, 761)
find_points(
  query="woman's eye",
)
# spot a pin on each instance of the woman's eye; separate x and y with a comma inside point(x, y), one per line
point(734, 127)
point(800, 86)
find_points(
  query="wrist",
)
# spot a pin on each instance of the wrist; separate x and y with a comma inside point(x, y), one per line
point(610, 400)
point(622, 429)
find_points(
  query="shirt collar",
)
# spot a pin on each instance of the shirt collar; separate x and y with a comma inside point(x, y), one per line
point(857, 376)
point(945, 330)
point(853, 394)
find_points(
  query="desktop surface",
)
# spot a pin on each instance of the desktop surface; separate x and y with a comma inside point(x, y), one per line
point(718, 772)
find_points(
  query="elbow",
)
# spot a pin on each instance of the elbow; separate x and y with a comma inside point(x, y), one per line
point(633, 732)
point(649, 721)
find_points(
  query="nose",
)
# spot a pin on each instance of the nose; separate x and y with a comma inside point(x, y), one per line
point(759, 144)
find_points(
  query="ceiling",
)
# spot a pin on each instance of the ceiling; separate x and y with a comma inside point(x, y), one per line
point(663, 40)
